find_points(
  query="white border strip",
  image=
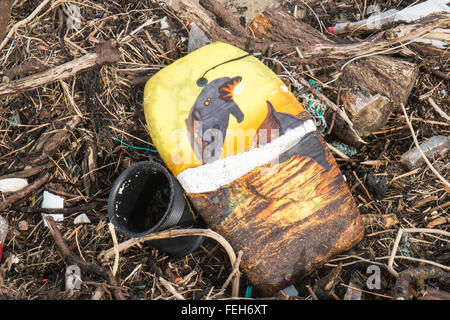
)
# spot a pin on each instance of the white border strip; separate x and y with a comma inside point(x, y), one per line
point(211, 176)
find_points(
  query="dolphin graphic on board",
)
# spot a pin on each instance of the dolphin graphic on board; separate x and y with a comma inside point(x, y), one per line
point(211, 111)
point(278, 123)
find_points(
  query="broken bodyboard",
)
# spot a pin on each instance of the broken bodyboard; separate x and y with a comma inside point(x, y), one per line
point(251, 161)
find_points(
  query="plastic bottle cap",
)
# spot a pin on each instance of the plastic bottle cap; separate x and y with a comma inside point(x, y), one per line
point(330, 29)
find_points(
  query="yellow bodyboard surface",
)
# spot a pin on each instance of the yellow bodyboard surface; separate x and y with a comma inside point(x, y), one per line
point(171, 94)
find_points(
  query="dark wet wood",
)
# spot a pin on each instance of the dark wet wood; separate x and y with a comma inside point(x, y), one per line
point(287, 223)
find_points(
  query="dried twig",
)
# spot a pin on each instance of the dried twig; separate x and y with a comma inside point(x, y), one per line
point(106, 254)
point(445, 182)
point(48, 144)
point(234, 272)
point(28, 172)
point(32, 65)
point(105, 53)
point(19, 195)
point(70, 259)
point(112, 230)
point(23, 22)
point(437, 109)
point(397, 242)
point(68, 210)
point(171, 289)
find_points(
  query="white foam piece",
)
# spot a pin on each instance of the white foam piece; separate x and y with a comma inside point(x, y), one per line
point(81, 218)
point(52, 201)
point(12, 184)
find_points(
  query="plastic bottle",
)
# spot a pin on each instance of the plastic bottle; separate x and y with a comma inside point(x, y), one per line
point(197, 38)
point(433, 148)
point(3, 232)
point(408, 14)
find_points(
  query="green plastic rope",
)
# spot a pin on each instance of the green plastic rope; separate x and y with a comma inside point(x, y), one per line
point(126, 144)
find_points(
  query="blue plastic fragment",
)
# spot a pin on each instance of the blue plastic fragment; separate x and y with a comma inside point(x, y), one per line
point(291, 291)
point(248, 291)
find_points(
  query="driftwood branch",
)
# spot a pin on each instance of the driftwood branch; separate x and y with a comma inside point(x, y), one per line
point(107, 254)
point(19, 195)
point(311, 51)
point(49, 143)
point(69, 210)
point(406, 277)
point(227, 19)
point(106, 53)
point(5, 15)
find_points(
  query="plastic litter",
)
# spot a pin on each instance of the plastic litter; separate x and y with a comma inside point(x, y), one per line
point(354, 288)
point(82, 218)
point(346, 149)
point(220, 127)
point(248, 291)
point(73, 276)
point(22, 225)
point(406, 250)
point(291, 291)
point(164, 26)
point(131, 207)
point(373, 8)
point(433, 148)
point(3, 232)
point(409, 14)
point(197, 38)
point(436, 43)
point(52, 201)
point(12, 184)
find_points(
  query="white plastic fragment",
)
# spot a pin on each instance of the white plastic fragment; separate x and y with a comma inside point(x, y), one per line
point(291, 291)
point(52, 201)
point(73, 20)
point(354, 288)
point(436, 43)
point(409, 14)
point(164, 26)
point(58, 217)
point(373, 8)
point(82, 218)
point(73, 277)
point(12, 184)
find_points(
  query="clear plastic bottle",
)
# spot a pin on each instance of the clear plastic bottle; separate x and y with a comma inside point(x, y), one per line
point(3, 232)
point(432, 148)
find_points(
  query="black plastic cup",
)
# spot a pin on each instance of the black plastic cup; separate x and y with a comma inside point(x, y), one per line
point(146, 198)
